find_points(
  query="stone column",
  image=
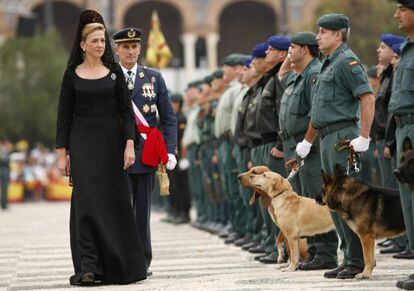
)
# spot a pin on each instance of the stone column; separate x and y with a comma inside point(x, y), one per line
point(189, 39)
point(212, 39)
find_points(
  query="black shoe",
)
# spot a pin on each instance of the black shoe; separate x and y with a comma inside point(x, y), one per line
point(407, 255)
point(181, 219)
point(232, 238)
point(89, 279)
point(333, 273)
point(269, 259)
point(252, 244)
point(385, 243)
point(400, 283)
point(393, 249)
point(317, 264)
point(408, 284)
point(257, 250)
point(242, 241)
point(225, 233)
point(349, 273)
point(258, 257)
point(149, 272)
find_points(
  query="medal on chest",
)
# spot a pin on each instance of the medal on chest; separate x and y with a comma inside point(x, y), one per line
point(148, 91)
point(130, 84)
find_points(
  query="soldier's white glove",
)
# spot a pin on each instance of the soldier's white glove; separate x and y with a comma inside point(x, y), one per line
point(183, 164)
point(172, 162)
point(360, 144)
point(303, 148)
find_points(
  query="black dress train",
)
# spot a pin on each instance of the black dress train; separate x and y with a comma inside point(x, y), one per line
point(94, 120)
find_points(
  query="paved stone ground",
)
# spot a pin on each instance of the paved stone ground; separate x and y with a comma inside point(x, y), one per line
point(35, 255)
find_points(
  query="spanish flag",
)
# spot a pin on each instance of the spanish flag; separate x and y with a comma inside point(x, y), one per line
point(158, 52)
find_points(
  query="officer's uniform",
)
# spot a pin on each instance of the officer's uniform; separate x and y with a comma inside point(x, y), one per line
point(191, 141)
point(334, 114)
point(149, 93)
point(228, 165)
point(179, 198)
point(4, 175)
point(401, 105)
point(323, 247)
point(266, 118)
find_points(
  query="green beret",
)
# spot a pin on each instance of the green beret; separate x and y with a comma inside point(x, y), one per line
point(304, 38)
point(208, 79)
point(194, 84)
point(234, 60)
point(217, 74)
point(333, 21)
point(177, 97)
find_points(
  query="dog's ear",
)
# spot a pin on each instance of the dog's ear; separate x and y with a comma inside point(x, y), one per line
point(407, 145)
point(254, 198)
point(266, 200)
point(325, 177)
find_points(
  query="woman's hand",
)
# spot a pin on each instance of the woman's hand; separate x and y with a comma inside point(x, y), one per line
point(64, 165)
point(129, 154)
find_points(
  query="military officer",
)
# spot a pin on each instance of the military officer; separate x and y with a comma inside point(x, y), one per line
point(304, 55)
point(233, 70)
point(149, 94)
point(191, 143)
point(402, 107)
point(341, 88)
point(179, 198)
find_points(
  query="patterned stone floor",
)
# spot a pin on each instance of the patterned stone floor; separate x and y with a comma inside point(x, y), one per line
point(35, 255)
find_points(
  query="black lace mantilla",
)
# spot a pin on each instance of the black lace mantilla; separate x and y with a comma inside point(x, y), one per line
point(76, 58)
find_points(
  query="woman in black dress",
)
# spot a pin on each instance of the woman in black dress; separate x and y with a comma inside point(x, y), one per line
point(95, 141)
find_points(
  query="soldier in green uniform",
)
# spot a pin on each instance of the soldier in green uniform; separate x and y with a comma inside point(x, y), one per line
point(303, 55)
point(402, 107)
point(233, 70)
point(341, 89)
point(191, 142)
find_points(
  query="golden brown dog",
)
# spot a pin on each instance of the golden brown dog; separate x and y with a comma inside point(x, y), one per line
point(296, 216)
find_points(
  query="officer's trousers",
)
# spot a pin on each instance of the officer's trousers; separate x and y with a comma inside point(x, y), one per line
point(4, 185)
point(407, 201)
point(350, 243)
point(195, 182)
point(386, 166)
point(228, 169)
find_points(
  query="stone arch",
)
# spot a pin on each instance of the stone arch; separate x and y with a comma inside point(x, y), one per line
point(243, 24)
point(139, 15)
point(66, 15)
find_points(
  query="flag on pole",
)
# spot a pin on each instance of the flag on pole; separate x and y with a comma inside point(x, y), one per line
point(158, 52)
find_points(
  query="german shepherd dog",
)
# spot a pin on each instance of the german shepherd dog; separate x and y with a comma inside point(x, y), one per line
point(371, 212)
point(405, 172)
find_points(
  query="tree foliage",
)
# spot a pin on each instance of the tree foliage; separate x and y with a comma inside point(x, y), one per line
point(369, 19)
point(31, 71)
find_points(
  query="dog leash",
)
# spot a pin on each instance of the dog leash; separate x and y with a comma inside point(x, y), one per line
point(353, 157)
point(298, 164)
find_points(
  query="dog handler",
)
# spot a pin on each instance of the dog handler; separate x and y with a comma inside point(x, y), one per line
point(304, 53)
point(341, 87)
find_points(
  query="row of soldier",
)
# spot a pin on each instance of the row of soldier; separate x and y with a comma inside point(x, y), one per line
point(296, 98)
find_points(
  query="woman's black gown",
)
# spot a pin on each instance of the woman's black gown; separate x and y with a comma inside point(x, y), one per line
point(94, 120)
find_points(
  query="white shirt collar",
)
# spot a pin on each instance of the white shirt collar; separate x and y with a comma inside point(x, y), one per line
point(133, 70)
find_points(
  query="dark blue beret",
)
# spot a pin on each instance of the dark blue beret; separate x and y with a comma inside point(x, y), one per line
point(127, 34)
point(281, 43)
point(406, 3)
point(391, 39)
point(248, 62)
point(259, 51)
point(396, 48)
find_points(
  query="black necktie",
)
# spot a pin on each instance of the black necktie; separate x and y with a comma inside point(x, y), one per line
point(129, 73)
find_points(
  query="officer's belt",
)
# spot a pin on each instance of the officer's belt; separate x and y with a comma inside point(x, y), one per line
point(401, 120)
point(284, 136)
point(334, 127)
point(224, 137)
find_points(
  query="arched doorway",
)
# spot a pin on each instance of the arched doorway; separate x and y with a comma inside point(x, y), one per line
point(65, 19)
point(243, 25)
point(139, 15)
